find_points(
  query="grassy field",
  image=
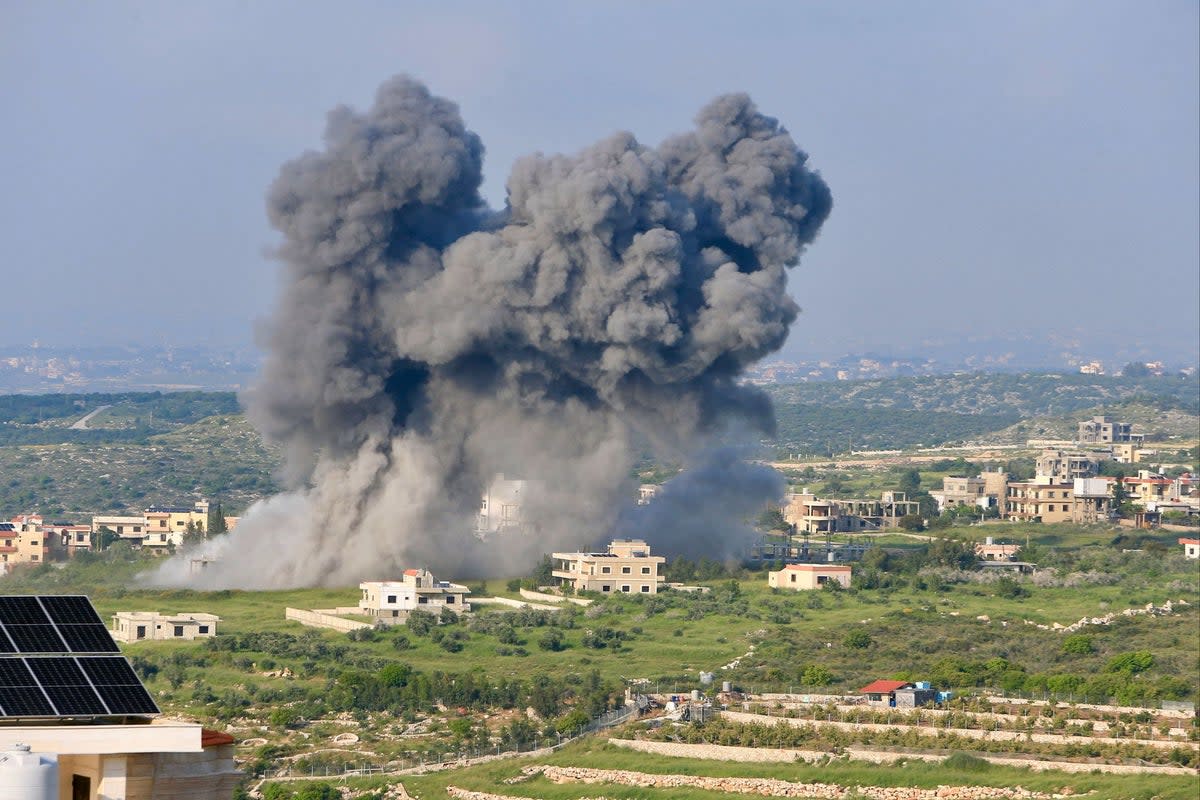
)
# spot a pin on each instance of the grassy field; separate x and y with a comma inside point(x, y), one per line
point(671, 639)
point(597, 753)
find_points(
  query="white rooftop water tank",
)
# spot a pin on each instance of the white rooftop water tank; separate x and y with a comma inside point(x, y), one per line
point(28, 776)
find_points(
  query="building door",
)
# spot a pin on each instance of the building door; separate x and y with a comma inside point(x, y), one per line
point(81, 787)
point(141, 631)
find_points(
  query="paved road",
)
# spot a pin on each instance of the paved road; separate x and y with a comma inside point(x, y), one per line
point(82, 425)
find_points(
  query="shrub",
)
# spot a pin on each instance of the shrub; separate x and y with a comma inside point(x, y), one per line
point(857, 639)
point(964, 762)
point(551, 640)
point(1132, 663)
point(1078, 644)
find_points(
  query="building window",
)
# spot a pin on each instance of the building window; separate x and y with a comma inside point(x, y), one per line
point(33, 543)
point(792, 578)
point(605, 570)
point(450, 599)
point(645, 589)
point(822, 579)
point(136, 529)
point(391, 598)
point(645, 570)
point(202, 629)
point(179, 630)
point(423, 600)
point(606, 588)
point(625, 588)
point(33, 558)
point(625, 570)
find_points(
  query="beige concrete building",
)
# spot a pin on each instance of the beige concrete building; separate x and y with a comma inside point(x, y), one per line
point(1062, 466)
point(418, 588)
point(138, 626)
point(22, 541)
point(1191, 547)
point(130, 529)
point(1040, 500)
point(1105, 430)
point(991, 550)
point(811, 514)
point(803, 577)
point(958, 490)
point(1126, 453)
point(626, 567)
point(159, 760)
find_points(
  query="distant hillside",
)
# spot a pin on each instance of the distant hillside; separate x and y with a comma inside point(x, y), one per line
point(219, 457)
point(1155, 424)
point(935, 410)
point(105, 418)
point(1026, 395)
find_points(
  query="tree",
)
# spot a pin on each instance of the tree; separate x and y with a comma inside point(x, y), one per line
point(216, 519)
point(543, 573)
point(105, 537)
point(910, 482)
point(912, 522)
point(1135, 369)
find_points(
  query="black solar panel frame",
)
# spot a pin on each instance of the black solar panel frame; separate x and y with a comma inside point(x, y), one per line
point(19, 701)
point(22, 610)
point(76, 701)
point(88, 639)
point(70, 609)
point(36, 639)
point(14, 672)
point(58, 659)
point(128, 700)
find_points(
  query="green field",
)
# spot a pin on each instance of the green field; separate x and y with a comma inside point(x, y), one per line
point(596, 753)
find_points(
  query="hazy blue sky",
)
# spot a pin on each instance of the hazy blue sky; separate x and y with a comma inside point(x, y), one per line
point(996, 167)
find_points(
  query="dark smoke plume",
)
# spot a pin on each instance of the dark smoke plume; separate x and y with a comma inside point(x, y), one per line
point(424, 344)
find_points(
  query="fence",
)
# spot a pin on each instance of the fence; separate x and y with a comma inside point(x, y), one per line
point(316, 619)
point(456, 757)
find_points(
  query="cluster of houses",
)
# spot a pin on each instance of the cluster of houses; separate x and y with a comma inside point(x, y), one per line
point(31, 539)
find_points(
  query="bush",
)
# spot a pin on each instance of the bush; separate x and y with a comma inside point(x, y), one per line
point(1131, 663)
point(964, 762)
point(857, 639)
point(1078, 644)
point(551, 640)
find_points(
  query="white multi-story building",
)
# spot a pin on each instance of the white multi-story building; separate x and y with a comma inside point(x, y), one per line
point(500, 506)
point(418, 589)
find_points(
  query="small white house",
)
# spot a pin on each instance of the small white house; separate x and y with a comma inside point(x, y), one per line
point(137, 626)
point(393, 600)
point(1191, 547)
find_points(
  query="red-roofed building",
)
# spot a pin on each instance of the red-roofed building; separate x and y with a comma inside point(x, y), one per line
point(883, 693)
point(1191, 547)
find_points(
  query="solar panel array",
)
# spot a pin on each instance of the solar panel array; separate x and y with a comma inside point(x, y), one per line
point(56, 661)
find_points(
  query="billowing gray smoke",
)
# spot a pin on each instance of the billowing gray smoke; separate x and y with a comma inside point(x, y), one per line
point(424, 344)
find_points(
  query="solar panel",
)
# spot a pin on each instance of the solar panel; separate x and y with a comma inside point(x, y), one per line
point(25, 701)
point(88, 639)
point(36, 639)
point(118, 685)
point(22, 610)
point(71, 610)
point(38, 677)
